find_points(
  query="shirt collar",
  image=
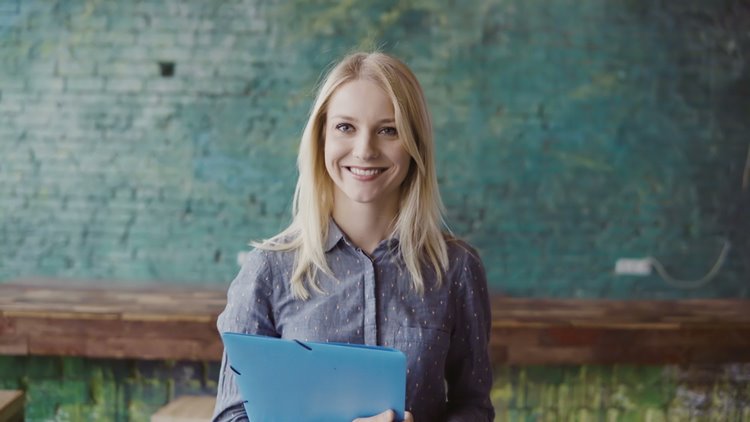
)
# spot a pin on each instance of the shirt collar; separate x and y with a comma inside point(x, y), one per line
point(335, 235)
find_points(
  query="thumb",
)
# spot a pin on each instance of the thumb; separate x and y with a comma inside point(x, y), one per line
point(387, 416)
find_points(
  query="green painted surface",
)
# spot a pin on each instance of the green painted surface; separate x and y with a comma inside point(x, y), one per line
point(111, 390)
point(622, 393)
point(570, 133)
point(102, 390)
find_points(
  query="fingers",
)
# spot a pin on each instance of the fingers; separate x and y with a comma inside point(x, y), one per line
point(387, 416)
point(408, 417)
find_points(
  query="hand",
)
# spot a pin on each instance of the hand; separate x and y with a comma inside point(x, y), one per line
point(387, 416)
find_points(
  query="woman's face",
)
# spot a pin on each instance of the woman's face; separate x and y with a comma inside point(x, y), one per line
point(364, 154)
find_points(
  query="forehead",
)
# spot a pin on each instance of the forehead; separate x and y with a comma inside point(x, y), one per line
point(361, 98)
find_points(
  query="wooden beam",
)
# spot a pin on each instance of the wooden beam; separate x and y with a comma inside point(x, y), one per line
point(577, 331)
point(108, 320)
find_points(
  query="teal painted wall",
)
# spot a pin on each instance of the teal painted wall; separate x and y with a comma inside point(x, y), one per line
point(570, 133)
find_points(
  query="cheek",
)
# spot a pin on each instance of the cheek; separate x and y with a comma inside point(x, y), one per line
point(327, 151)
point(402, 159)
point(331, 155)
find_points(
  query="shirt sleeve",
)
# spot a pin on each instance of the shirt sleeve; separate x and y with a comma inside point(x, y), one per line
point(468, 370)
point(248, 311)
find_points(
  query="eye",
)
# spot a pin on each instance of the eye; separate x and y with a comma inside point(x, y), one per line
point(344, 127)
point(388, 131)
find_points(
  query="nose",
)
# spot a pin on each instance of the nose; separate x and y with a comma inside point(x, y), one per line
point(365, 148)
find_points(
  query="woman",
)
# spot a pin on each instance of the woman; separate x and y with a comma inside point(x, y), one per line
point(366, 258)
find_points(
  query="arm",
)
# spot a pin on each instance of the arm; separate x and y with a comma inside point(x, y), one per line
point(248, 311)
point(468, 370)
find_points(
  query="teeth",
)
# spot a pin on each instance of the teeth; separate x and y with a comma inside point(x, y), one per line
point(363, 172)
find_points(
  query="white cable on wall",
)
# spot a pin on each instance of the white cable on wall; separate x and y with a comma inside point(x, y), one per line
point(693, 284)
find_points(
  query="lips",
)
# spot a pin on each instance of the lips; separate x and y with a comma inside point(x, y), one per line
point(365, 173)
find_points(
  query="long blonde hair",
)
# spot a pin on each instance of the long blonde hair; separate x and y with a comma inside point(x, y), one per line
point(419, 224)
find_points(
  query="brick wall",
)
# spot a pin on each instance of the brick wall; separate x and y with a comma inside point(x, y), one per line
point(152, 140)
point(111, 170)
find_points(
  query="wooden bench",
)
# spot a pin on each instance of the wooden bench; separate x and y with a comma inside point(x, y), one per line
point(11, 406)
point(580, 331)
point(109, 320)
point(186, 409)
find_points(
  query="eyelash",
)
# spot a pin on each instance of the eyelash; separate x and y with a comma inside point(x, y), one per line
point(345, 127)
point(395, 132)
point(342, 126)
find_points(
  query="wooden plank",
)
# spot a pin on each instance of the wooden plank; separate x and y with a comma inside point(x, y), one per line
point(11, 405)
point(7, 326)
point(182, 349)
point(630, 314)
point(122, 339)
point(51, 317)
point(542, 356)
point(186, 409)
point(169, 303)
point(48, 317)
point(153, 330)
point(557, 345)
point(14, 344)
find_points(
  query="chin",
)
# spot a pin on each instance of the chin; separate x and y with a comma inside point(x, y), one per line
point(363, 199)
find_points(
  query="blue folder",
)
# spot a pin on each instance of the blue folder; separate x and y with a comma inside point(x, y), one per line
point(291, 381)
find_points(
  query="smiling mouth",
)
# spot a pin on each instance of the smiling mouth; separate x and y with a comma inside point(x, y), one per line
point(366, 172)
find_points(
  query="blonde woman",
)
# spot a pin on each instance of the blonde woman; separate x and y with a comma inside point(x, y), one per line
point(367, 258)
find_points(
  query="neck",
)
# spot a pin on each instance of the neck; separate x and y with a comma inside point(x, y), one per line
point(366, 225)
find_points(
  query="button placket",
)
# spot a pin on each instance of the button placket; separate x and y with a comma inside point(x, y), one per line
point(371, 334)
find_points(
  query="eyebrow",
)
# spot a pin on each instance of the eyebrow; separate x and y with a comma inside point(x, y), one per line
point(381, 121)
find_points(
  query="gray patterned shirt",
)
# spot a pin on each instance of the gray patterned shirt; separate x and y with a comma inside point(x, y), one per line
point(443, 333)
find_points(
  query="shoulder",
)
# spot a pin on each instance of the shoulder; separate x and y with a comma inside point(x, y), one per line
point(287, 240)
point(267, 261)
point(466, 269)
point(461, 252)
point(270, 257)
point(260, 267)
